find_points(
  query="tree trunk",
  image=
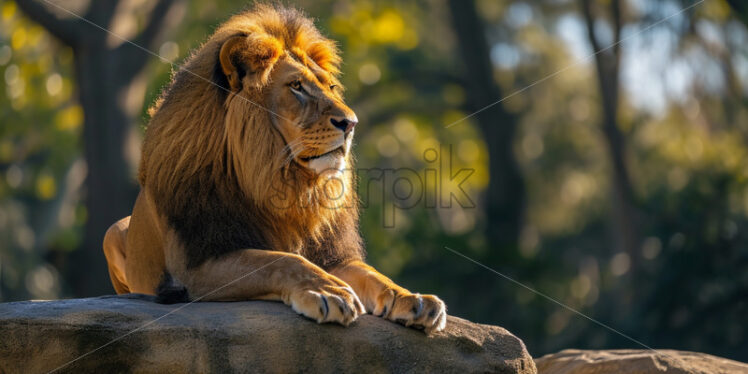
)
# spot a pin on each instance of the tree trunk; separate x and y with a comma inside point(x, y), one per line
point(110, 188)
point(607, 64)
point(505, 196)
point(106, 75)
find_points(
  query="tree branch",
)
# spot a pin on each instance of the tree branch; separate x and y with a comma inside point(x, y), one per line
point(615, 10)
point(612, 60)
point(590, 23)
point(147, 38)
point(66, 30)
point(155, 23)
point(606, 63)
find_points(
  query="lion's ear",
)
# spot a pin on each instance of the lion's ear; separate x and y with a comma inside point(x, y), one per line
point(248, 55)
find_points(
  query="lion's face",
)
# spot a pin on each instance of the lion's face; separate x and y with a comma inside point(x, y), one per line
point(316, 125)
point(286, 110)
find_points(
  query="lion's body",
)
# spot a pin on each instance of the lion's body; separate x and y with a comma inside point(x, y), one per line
point(242, 176)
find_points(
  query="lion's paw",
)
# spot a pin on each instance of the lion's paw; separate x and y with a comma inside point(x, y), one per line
point(328, 304)
point(425, 312)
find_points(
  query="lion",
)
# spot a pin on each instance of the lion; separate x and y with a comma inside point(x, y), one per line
point(247, 190)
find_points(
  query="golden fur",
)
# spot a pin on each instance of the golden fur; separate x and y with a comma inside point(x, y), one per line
point(247, 188)
point(255, 153)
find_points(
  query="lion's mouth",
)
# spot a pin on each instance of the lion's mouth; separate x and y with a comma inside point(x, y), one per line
point(338, 151)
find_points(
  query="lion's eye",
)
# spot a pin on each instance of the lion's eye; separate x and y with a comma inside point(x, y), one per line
point(333, 87)
point(296, 85)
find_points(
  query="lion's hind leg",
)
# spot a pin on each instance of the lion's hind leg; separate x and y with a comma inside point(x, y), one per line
point(114, 251)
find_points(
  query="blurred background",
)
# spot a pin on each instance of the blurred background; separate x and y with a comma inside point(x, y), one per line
point(615, 183)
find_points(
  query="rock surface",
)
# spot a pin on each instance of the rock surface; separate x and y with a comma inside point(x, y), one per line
point(129, 333)
point(630, 361)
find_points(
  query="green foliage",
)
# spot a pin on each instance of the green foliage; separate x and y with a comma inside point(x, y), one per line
point(39, 158)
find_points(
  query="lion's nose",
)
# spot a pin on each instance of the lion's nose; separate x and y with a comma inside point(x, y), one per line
point(344, 124)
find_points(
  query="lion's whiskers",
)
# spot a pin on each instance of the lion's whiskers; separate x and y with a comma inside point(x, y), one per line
point(289, 146)
point(293, 148)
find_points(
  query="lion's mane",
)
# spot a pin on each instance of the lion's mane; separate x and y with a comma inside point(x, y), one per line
point(215, 166)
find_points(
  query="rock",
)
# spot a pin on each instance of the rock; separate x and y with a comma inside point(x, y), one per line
point(130, 333)
point(625, 361)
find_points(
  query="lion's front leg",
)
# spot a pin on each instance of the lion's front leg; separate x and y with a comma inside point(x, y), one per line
point(382, 297)
point(270, 275)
